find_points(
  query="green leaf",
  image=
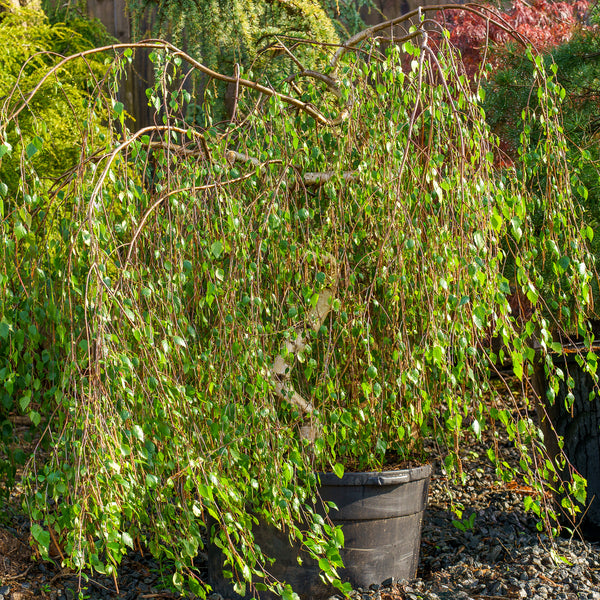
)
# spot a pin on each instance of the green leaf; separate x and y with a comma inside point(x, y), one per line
point(496, 221)
point(338, 534)
point(479, 241)
point(31, 149)
point(4, 329)
point(20, 231)
point(564, 262)
point(338, 469)
point(42, 537)
point(217, 248)
point(24, 401)
point(205, 492)
point(138, 432)
point(240, 588)
point(583, 191)
point(35, 417)
point(5, 148)
point(516, 227)
point(151, 480)
point(180, 341)
point(346, 419)
point(517, 361)
point(324, 565)
point(127, 539)
point(458, 524)
point(190, 547)
point(480, 317)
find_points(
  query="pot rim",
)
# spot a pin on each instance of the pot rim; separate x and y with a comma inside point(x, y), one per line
point(378, 478)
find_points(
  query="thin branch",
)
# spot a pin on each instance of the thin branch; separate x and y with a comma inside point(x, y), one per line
point(163, 197)
point(112, 156)
point(290, 54)
point(237, 91)
point(314, 179)
point(309, 179)
point(329, 81)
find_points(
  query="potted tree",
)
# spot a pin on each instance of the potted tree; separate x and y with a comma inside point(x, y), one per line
point(310, 287)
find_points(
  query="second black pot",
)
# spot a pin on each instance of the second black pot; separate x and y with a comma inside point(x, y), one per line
point(579, 426)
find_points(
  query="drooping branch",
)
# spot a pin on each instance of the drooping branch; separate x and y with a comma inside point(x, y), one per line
point(154, 44)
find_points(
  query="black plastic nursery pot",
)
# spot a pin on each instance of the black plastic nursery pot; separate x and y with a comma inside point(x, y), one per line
point(579, 426)
point(381, 515)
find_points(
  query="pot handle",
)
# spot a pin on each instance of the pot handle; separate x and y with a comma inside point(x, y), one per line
point(388, 479)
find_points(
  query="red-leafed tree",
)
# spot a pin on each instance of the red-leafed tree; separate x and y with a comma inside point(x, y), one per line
point(543, 23)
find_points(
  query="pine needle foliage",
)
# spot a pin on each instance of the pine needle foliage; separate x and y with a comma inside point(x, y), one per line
point(31, 46)
point(222, 33)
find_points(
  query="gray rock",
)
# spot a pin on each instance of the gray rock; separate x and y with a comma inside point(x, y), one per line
point(498, 589)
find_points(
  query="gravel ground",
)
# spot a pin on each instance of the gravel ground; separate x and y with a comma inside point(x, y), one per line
point(502, 555)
